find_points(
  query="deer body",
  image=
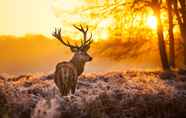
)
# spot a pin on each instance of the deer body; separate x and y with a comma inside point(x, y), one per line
point(66, 73)
point(66, 77)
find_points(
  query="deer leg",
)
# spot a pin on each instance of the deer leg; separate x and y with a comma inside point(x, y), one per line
point(66, 89)
point(61, 89)
point(73, 89)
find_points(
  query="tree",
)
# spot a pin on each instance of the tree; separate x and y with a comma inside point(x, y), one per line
point(162, 48)
point(156, 7)
point(171, 34)
point(180, 11)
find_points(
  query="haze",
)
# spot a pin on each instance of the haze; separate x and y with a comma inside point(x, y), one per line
point(19, 17)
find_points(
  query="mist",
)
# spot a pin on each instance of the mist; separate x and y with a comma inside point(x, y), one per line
point(40, 54)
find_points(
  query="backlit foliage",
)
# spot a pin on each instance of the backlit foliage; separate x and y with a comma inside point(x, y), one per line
point(108, 19)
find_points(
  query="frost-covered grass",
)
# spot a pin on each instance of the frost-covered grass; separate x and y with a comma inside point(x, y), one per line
point(98, 95)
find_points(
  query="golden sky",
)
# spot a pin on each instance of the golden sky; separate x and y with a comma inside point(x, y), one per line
point(36, 53)
point(19, 17)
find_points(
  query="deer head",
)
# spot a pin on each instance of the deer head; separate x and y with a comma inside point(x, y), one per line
point(80, 51)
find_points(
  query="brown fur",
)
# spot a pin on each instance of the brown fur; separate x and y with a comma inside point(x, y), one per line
point(66, 73)
point(66, 77)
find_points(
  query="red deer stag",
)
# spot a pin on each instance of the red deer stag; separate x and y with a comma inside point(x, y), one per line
point(66, 73)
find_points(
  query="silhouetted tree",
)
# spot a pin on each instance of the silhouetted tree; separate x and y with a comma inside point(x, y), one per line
point(171, 33)
point(156, 7)
point(180, 11)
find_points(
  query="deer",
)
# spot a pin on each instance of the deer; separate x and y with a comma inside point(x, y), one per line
point(67, 72)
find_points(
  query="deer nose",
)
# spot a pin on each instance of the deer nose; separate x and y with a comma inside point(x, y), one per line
point(90, 59)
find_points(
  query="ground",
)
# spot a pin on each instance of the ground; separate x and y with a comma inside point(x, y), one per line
point(126, 94)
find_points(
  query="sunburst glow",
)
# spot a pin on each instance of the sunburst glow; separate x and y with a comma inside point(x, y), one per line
point(152, 22)
point(103, 26)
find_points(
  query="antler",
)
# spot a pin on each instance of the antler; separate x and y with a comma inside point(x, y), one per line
point(57, 35)
point(85, 43)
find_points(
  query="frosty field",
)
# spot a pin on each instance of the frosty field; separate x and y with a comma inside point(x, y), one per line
point(99, 95)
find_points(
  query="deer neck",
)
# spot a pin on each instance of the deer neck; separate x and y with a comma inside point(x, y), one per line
point(79, 65)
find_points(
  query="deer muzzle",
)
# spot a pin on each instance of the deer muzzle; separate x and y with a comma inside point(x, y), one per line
point(90, 59)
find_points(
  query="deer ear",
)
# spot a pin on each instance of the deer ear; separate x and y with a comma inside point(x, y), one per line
point(73, 49)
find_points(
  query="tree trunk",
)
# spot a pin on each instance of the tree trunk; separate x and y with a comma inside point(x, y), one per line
point(171, 34)
point(162, 48)
point(161, 42)
point(184, 43)
point(183, 29)
point(180, 12)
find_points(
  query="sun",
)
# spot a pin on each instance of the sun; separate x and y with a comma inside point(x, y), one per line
point(152, 22)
